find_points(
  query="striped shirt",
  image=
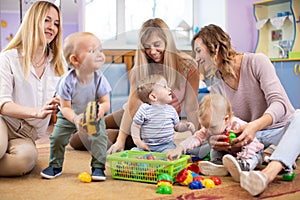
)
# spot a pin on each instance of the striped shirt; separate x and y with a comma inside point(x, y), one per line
point(157, 123)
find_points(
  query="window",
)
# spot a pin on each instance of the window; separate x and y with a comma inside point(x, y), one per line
point(100, 18)
point(117, 22)
point(118, 26)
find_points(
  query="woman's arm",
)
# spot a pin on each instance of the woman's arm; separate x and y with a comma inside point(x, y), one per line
point(12, 109)
point(129, 111)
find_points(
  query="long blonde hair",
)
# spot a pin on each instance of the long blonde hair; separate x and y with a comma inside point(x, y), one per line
point(31, 35)
point(175, 63)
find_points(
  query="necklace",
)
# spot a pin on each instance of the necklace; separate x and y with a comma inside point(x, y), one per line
point(40, 63)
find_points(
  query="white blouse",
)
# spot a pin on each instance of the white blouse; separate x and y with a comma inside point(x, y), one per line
point(31, 91)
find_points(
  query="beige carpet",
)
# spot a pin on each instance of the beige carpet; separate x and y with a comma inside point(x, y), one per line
point(68, 186)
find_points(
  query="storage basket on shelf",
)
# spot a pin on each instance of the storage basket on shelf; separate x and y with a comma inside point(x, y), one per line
point(144, 166)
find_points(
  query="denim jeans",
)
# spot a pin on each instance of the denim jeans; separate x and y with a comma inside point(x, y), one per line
point(158, 148)
point(288, 148)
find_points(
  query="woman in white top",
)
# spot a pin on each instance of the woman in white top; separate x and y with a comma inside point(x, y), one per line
point(30, 66)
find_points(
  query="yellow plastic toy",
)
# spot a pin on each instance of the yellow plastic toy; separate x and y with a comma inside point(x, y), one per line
point(208, 183)
point(90, 122)
point(85, 177)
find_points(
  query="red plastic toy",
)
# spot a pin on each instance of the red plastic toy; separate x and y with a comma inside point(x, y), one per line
point(230, 136)
point(193, 167)
point(216, 180)
point(184, 177)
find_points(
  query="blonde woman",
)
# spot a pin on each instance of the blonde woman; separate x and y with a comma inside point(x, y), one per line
point(30, 66)
point(157, 54)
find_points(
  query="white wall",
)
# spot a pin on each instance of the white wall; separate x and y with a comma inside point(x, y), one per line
point(210, 12)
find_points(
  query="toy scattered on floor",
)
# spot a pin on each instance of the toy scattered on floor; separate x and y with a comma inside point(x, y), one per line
point(90, 121)
point(192, 178)
point(208, 183)
point(164, 184)
point(230, 136)
point(198, 178)
point(289, 176)
point(85, 177)
point(196, 185)
point(193, 167)
point(184, 177)
point(217, 180)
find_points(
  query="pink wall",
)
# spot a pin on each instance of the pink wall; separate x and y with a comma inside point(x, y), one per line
point(13, 21)
point(241, 24)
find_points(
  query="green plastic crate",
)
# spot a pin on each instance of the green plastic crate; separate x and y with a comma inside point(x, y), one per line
point(134, 166)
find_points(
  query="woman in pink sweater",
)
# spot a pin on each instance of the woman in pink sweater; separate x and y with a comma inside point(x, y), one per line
point(250, 82)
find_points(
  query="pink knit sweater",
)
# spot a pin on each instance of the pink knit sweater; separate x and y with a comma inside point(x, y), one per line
point(259, 91)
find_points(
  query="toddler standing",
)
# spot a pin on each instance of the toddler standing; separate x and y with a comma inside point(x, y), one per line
point(79, 86)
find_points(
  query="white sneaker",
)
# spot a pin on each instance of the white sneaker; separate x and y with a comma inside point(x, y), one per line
point(254, 182)
point(208, 168)
point(232, 166)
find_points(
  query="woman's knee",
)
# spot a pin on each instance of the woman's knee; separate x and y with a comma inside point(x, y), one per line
point(113, 120)
point(76, 143)
point(4, 137)
point(26, 162)
point(21, 160)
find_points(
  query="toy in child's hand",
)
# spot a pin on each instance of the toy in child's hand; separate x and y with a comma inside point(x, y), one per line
point(90, 121)
point(230, 136)
point(85, 177)
point(164, 184)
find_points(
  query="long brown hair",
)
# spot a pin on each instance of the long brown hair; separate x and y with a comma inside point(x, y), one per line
point(175, 63)
point(213, 37)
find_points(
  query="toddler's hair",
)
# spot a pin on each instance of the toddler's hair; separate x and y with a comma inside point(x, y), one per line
point(145, 87)
point(71, 44)
point(214, 103)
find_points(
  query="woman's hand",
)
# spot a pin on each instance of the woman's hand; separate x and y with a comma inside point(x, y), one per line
point(50, 107)
point(248, 132)
point(116, 147)
point(119, 144)
point(217, 142)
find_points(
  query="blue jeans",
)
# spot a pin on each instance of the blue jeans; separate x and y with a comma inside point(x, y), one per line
point(158, 148)
point(288, 148)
